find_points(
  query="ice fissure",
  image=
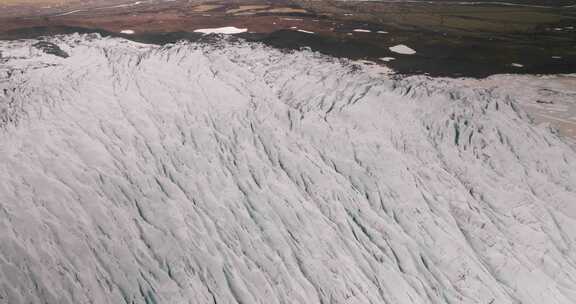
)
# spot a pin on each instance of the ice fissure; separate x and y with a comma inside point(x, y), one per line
point(235, 173)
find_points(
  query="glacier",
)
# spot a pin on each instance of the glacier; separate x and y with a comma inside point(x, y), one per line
point(231, 172)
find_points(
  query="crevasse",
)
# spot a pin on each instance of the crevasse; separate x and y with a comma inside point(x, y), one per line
point(235, 173)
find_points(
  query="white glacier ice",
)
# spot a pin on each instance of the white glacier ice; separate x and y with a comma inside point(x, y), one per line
point(236, 173)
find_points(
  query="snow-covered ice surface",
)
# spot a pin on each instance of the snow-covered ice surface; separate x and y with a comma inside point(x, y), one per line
point(548, 99)
point(235, 173)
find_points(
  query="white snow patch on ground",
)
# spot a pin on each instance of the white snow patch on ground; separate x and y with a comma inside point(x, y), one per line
point(362, 31)
point(517, 65)
point(387, 59)
point(307, 32)
point(127, 32)
point(402, 49)
point(68, 13)
point(228, 30)
point(120, 5)
point(382, 32)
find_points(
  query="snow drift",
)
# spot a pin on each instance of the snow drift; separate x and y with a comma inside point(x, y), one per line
point(235, 173)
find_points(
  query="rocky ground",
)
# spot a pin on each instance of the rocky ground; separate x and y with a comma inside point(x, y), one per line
point(449, 39)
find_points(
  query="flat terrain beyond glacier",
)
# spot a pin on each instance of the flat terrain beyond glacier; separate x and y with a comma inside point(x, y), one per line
point(447, 38)
point(231, 172)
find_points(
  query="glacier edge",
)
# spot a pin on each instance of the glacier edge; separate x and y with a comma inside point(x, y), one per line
point(235, 173)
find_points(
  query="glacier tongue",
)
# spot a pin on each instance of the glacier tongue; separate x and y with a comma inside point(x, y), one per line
point(235, 173)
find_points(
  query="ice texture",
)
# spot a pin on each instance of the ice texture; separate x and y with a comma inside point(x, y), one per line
point(231, 172)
